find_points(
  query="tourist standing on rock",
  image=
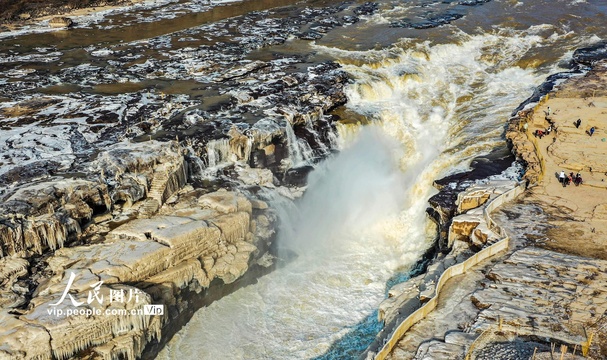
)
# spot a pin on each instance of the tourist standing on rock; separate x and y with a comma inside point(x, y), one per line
point(570, 178)
point(539, 133)
point(577, 123)
point(578, 179)
point(591, 131)
point(562, 178)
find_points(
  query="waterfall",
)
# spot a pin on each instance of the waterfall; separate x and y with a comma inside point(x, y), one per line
point(196, 165)
point(218, 151)
point(307, 153)
point(362, 219)
point(294, 150)
point(347, 194)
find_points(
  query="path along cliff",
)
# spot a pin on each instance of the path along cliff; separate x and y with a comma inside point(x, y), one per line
point(546, 296)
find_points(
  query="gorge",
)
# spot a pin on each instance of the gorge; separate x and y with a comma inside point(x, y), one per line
point(260, 169)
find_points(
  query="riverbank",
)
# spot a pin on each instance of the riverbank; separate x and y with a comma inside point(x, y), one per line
point(133, 119)
point(582, 229)
point(149, 199)
point(550, 287)
point(17, 14)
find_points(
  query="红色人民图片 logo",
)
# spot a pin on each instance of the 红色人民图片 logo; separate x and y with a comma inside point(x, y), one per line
point(108, 300)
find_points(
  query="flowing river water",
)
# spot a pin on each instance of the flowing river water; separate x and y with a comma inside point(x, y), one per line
point(434, 97)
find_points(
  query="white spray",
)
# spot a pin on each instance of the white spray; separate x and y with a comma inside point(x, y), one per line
point(347, 195)
point(362, 220)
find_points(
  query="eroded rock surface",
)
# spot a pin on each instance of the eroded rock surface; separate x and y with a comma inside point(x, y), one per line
point(187, 245)
point(551, 287)
point(155, 195)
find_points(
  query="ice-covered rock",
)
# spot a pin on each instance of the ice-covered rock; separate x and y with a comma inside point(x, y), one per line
point(18, 339)
point(471, 225)
point(60, 22)
point(195, 240)
point(85, 185)
point(44, 216)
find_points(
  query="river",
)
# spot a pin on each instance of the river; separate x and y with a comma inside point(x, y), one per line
point(433, 98)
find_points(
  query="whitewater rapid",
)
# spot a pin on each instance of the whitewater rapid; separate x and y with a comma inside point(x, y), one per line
point(431, 108)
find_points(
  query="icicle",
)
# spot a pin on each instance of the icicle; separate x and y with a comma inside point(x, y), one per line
point(218, 151)
point(247, 153)
point(294, 150)
point(264, 131)
point(234, 227)
point(240, 145)
point(12, 267)
point(307, 153)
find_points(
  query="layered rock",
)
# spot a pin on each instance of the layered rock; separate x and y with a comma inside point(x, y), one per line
point(45, 216)
point(138, 229)
point(150, 193)
point(473, 225)
point(188, 245)
point(524, 147)
point(444, 205)
point(534, 297)
point(469, 231)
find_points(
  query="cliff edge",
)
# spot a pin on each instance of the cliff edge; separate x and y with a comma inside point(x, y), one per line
point(546, 296)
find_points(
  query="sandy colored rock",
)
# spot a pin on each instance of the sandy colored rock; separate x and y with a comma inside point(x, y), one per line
point(60, 22)
point(192, 241)
point(463, 225)
point(572, 149)
point(552, 286)
point(17, 337)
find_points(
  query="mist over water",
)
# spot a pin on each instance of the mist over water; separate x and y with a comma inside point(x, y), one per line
point(347, 195)
point(431, 100)
point(432, 108)
point(362, 218)
point(343, 234)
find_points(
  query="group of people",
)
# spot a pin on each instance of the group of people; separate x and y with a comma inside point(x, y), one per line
point(577, 124)
point(565, 179)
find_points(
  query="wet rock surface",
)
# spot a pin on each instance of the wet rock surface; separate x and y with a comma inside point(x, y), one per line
point(468, 232)
point(144, 170)
point(145, 164)
point(444, 205)
point(550, 288)
point(446, 13)
point(590, 55)
point(17, 11)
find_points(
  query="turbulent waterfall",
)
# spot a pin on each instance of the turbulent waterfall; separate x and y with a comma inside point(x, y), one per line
point(362, 220)
point(346, 195)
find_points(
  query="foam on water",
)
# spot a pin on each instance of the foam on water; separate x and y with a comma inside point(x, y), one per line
point(362, 218)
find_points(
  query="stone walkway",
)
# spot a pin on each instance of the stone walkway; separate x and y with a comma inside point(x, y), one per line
point(553, 284)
